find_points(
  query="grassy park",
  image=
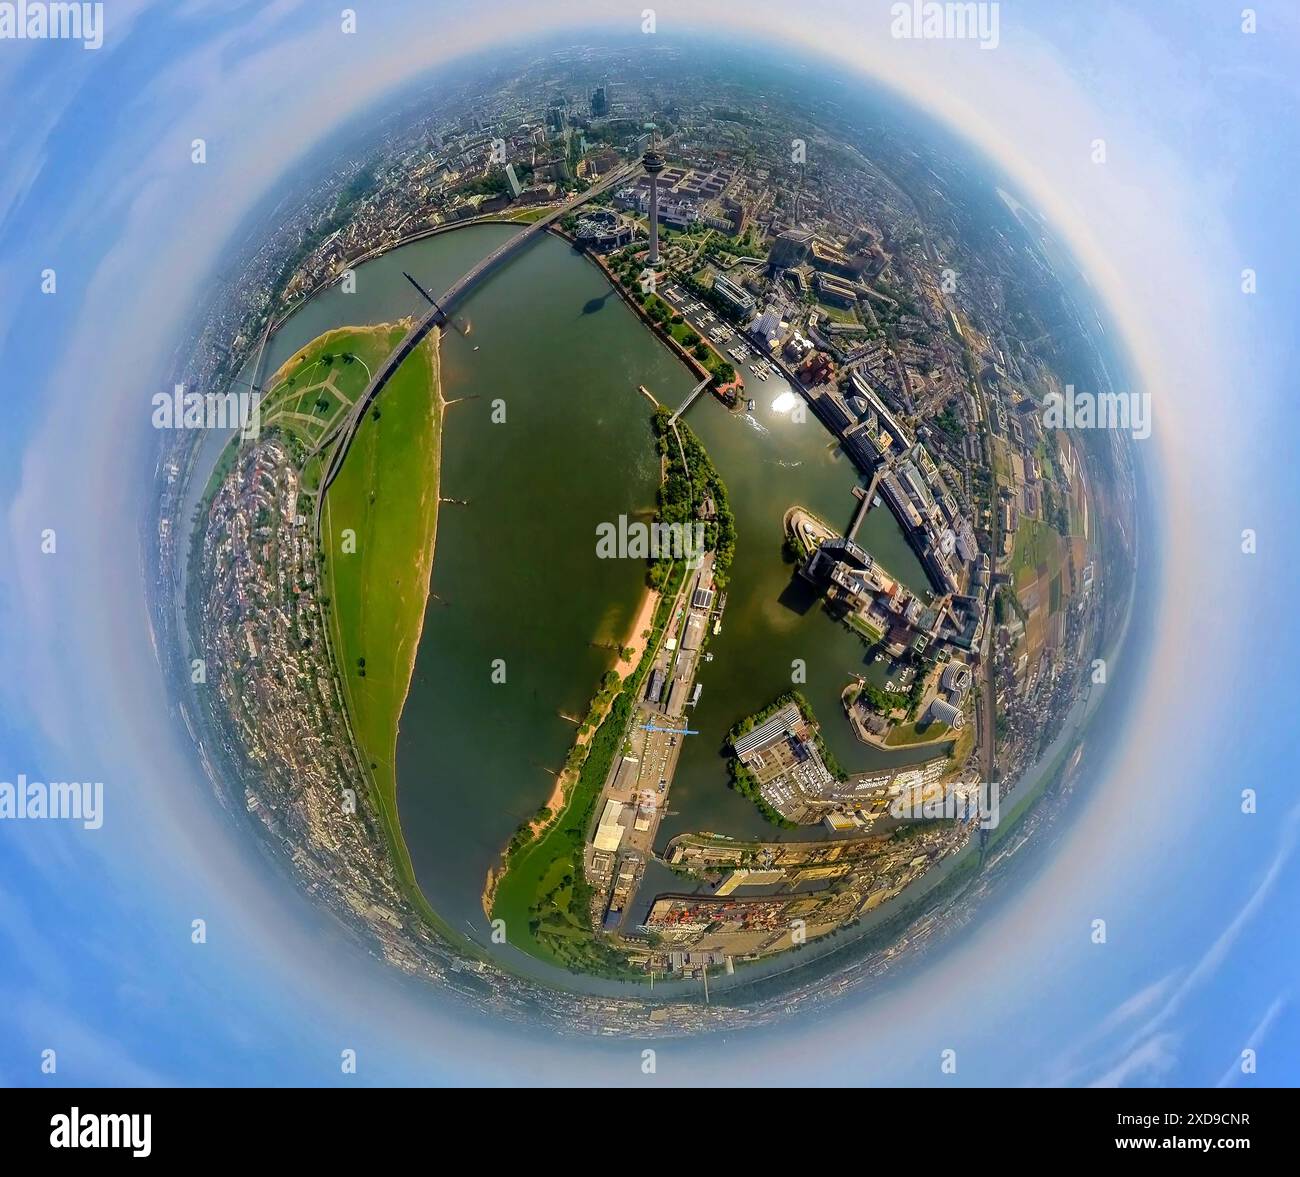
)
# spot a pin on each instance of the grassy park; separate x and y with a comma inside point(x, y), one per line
point(310, 391)
point(378, 526)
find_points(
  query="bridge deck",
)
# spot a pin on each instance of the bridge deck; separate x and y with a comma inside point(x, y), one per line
point(864, 505)
point(437, 315)
point(690, 399)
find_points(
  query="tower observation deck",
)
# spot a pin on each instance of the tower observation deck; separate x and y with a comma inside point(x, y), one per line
point(653, 163)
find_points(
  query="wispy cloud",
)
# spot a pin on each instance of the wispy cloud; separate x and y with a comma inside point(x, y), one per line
point(1149, 1050)
point(1234, 1073)
point(1147, 1063)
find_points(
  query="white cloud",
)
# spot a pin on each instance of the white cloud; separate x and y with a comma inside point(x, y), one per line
point(1234, 1073)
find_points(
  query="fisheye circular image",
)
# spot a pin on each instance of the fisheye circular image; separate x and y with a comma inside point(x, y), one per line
point(697, 545)
point(658, 539)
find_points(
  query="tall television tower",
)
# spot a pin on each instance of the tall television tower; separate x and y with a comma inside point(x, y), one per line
point(654, 164)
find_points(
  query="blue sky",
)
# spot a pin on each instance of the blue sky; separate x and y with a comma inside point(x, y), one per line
point(95, 958)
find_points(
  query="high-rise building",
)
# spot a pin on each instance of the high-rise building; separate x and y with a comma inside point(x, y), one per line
point(654, 164)
point(599, 103)
point(790, 248)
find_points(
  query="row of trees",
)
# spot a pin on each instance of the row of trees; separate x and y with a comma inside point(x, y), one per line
point(686, 488)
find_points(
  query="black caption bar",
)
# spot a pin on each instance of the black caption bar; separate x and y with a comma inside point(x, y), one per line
point(333, 1126)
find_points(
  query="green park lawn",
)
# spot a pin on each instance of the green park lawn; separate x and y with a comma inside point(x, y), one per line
point(318, 383)
point(904, 734)
point(377, 533)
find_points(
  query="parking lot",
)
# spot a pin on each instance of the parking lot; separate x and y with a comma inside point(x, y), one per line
point(726, 339)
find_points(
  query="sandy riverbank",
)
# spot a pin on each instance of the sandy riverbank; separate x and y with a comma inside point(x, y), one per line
point(630, 654)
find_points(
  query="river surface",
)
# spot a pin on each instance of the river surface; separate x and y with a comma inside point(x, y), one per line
point(517, 591)
point(775, 635)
